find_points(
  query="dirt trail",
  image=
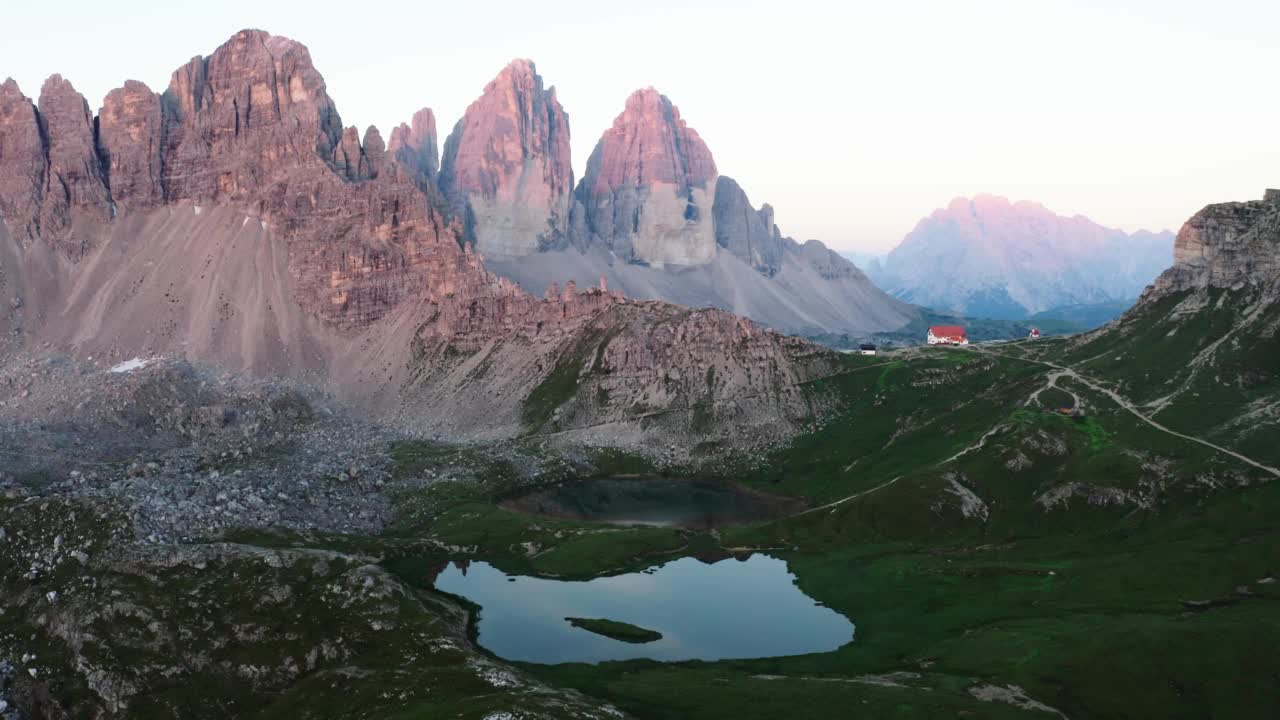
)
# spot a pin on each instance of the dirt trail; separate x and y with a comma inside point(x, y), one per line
point(1124, 403)
point(977, 445)
point(1052, 382)
point(833, 505)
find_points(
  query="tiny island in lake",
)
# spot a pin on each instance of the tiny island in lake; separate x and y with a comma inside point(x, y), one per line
point(626, 632)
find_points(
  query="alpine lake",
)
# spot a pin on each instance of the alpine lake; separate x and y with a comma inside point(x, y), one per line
point(740, 607)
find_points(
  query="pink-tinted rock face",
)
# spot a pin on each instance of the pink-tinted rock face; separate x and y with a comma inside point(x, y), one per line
point(506, 165)
point(49, 164)
point(75, 178)
point(415, 148)
point(130, 127)
point(648, 144)
point(23, 164)
point(346, 156)
point(256, 103)
point(252, 125)
point(650, 185)
point(374, 155)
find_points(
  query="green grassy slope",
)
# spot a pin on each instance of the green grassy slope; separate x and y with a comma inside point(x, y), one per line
point(1000, 559)
point(1108, 569)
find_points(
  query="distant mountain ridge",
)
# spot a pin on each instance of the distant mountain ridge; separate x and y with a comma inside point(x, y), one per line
point(986, 256)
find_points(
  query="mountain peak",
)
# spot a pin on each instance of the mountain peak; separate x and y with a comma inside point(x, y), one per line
point(1009, 260)
point(992, 204)
point(650, 143)
point(650, 184)
point(506, 168)
point(520, 67)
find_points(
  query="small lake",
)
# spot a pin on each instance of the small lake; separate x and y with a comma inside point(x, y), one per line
point(663, 502)
point(747, 608)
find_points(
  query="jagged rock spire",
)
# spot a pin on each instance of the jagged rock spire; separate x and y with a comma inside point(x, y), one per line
point(649, 186)
point(506, 165)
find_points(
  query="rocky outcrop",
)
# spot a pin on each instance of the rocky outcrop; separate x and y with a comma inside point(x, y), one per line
point(357, 160)
point(373, 154)
point(649, 187)
point(130, 135)
point(744, 231)
point(1227, 245)
point(1010, 260)
point(49, 160)
point(506, 169)
point(74, 179)
point(415, 148)
point(347, 156)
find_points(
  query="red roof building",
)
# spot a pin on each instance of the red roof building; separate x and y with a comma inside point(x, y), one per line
point(947, 335)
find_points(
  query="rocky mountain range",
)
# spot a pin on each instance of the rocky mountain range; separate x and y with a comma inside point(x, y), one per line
point(232, 220)
point(652, 215)
point(988, 257)
point(238, 340)
point(179, 543)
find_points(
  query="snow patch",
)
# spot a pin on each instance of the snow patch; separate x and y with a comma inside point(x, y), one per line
point(131, 365)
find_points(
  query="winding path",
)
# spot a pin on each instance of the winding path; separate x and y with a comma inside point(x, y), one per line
point(1124, 403)
point(833, 505)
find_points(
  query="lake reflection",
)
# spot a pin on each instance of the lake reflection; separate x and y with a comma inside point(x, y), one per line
point(731, 609)
point(664, 502)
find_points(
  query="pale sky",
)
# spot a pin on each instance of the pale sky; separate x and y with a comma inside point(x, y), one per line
point(854, 120)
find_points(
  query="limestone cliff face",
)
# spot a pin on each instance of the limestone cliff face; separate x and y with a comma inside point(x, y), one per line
point(130, 136)
point(253, 125)
point(256, 104)
point(649, 187)
point(74, 179)
point(50, 166)
point(506, 168)
point(23, 163)
point(1227, 245)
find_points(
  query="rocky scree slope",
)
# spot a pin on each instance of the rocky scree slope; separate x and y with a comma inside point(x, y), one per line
point(232, 220)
